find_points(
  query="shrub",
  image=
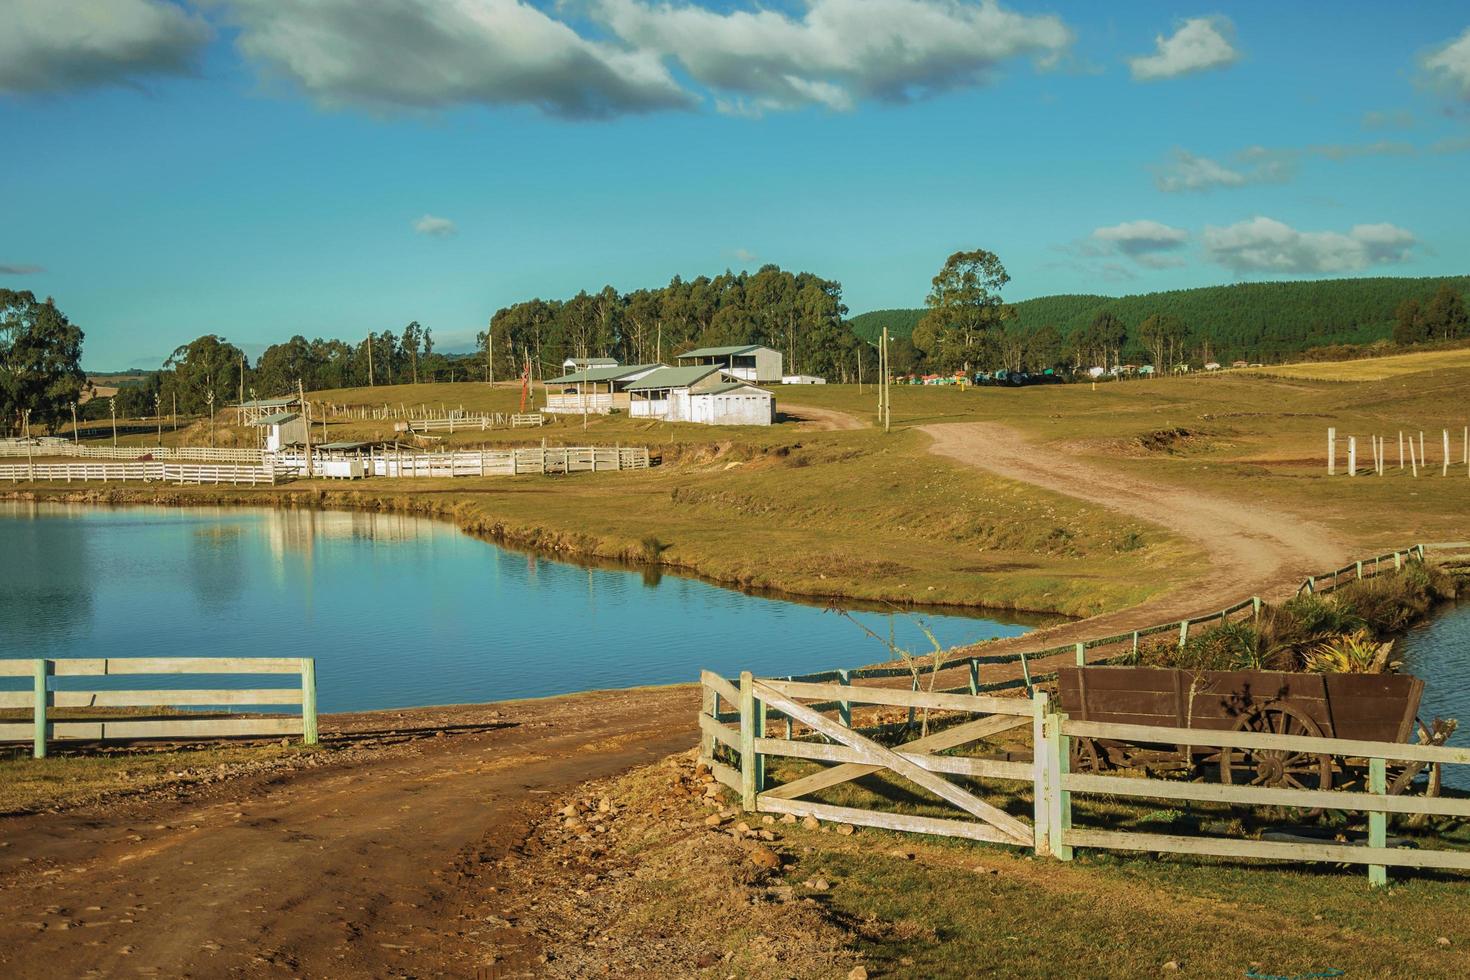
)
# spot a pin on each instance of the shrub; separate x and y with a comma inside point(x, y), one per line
point(1350, 654)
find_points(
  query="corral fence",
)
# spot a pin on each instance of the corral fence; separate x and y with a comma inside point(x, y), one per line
point(1379, 449)
point(474, 422)
point(811, 717)
point(115, 724)
point(201, 473)
point(493, 462)
point(1359, 570)
point(62, 447)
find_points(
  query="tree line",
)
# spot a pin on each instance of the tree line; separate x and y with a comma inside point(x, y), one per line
point(797, 313)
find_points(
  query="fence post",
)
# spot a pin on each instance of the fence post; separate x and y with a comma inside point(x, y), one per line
point(747, 741)
point(1059, 801)
point(1377, 820)
point(308, 700)
point(43, 698)
point(1040, 761)
point(1255, 607)
point(1398, 561)
point(844, 708)
point(974, 675)
point(1359, 566)
point(1135, 644)
point(709, 704)
point(1081, 654)
point(1183, 632)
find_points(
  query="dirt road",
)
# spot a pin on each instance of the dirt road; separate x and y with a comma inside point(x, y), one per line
point(357, 867)
point(822, 419)
point(1253, 550)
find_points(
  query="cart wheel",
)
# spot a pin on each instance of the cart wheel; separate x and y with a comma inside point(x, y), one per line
point(1085, 756)
point(1280, 768)
point(1401, 775)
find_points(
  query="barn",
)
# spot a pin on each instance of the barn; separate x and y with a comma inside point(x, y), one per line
point(702, 394)
point(595, 390)
point(747, 362)
point(281, 430)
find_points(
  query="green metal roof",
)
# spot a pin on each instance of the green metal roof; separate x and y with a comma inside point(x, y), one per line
point(723, 387)
point(277, 419)
point(671, 377)
point(721, 351)
point(599, 374)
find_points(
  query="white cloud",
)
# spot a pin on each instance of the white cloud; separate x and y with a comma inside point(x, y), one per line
point(744, 255)
point(1151, 244)
point(1253, 165)
point(430, 54)
point(837, 52)
point(1199, 44)
point(435, 226)
point(51, 46)
point(1266, 245)
point(19, 270)
point(1448, 67)
point(1388, 119)
point(1347, 151)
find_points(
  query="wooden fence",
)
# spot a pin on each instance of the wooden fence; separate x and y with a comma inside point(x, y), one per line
point(222, 454)
point(469, 423)
point(495, 462)
point(965, 719)
point(180, 473)
point(816, 711)
point(42, 698)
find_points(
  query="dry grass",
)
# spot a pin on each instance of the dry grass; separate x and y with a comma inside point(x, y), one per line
point(1372, 368)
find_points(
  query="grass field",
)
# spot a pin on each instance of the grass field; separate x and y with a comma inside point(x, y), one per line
point(868, 515)
point(1372, 369)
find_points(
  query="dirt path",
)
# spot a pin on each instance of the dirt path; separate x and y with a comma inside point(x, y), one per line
point(1253, 549)
point(358, 867)
point(822, 419)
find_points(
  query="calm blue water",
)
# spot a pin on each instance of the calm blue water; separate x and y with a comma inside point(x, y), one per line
point(397, 610)
point(1438, 650)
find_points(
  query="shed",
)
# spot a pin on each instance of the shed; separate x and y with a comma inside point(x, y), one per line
point(281, 430)
point(594, 391)
point(702, 394)
point(803, 379)
point(581, 363)
point(748, 362)
point(251, 412)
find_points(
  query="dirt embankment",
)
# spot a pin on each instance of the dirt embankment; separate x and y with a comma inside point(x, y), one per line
point(360, 863)
point(1253, 550)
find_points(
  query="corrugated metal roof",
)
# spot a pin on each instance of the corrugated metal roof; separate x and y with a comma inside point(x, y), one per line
point(720, 389)
point(721, 351)
point(342, 445)
point(277, 419)
point(671, 377)
point(600, 374)
point(268, 403)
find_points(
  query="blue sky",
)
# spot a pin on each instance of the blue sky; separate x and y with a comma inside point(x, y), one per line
point(259, 168)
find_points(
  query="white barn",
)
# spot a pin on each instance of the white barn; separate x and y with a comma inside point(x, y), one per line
point(594, 391)
point(582, 363)
point(701, 394)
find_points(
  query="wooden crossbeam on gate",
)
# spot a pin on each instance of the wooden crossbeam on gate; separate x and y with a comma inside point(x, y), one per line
point(1008, 829)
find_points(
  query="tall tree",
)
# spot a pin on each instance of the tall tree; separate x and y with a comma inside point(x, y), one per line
point(1163, 335)
point(204, 365)
point(964, 305)
point(40, 360)
point(1444, 315)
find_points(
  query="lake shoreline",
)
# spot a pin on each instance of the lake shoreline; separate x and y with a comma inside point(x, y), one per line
point(570, 547)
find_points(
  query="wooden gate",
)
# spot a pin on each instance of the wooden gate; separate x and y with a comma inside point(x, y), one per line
point(855, 755)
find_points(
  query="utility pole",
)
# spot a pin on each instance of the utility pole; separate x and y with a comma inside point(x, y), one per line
point(76, 436)
point(173, 415)
point(370, 361)
point(210, 398)
point(242, 378)
point(112, 410)
point(490, 352)
point(301, 396)
point(25, 418)
point(158, 414)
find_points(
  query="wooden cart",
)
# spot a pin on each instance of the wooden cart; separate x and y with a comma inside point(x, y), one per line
point(1364, 707)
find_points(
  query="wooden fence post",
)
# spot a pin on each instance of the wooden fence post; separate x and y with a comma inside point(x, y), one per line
point(709, 703)
point(42, 702)
point(844, 708)
point(1081, 654)
point(1352, 455)
point(747, 742)
point(308, 700)
point(1059, 801)
point(1377, 820)
point(1331, 451)
point(974, 675)
point(1040, 762)
point(1183, 632)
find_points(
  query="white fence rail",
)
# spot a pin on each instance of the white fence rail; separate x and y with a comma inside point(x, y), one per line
point(212, 473)
point(493, 462)
point(41, 728)
point(474, 423)
point(64, 448)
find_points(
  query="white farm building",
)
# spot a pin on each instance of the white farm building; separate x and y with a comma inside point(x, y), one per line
point(281, 430)
point(747, 362)
point(702, 394)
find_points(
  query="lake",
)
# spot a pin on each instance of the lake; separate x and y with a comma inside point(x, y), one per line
point(1438, 650)
point(398, 610)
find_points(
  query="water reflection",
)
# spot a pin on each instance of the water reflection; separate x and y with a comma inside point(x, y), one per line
point(398, 609)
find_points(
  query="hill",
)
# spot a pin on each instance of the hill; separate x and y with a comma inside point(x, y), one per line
point(1262, 321)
